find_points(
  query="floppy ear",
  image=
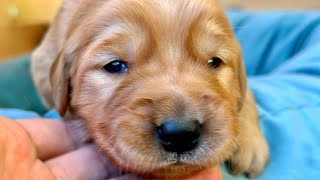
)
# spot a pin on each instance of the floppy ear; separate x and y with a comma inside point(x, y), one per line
point(60, 84)
point(47, 55)
point(242, 79)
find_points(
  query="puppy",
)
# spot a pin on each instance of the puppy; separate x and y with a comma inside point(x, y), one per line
point(159, 84)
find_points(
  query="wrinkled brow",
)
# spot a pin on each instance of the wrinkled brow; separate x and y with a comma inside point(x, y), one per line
point(119, 41)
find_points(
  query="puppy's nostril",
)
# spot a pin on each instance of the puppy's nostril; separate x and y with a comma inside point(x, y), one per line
point(179, 137)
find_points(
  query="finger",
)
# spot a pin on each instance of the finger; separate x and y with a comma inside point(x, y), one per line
point(51, 137)
point(85, 163)
point(126, 177)
point(212, 174)
point(18, 159)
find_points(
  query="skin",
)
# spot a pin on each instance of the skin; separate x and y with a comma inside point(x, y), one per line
point(38, 149)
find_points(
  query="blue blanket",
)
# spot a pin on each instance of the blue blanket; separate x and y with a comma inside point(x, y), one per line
point(282, 58)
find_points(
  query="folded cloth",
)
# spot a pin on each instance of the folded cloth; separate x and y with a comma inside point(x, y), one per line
point(16, 87)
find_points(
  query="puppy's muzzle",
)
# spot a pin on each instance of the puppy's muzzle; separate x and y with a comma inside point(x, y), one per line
point(179, 137)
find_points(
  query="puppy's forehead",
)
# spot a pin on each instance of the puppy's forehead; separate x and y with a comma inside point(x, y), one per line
point(163, 16)
point(162, 23)
point(135, 30)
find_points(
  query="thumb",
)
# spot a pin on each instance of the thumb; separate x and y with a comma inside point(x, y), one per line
point(85, 163)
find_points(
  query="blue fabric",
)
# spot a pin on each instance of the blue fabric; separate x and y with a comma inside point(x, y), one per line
point(282, 57)
point(24, 114)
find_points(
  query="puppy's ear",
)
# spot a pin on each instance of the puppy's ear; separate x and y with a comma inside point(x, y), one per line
point(242, 79)
point(48, 51)
point(60, 83)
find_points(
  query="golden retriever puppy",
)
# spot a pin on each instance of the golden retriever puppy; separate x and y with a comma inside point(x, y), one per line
point(159, 84)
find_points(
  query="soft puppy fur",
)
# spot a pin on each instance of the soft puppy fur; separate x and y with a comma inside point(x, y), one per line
point(168, 46)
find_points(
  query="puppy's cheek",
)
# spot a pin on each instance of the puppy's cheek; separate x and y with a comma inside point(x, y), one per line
point(220, 135)
point(132, 145)
point(140, 140)
point(228, 80)
point(94, 87)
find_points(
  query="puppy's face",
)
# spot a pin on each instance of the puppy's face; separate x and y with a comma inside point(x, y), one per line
point(159, 84)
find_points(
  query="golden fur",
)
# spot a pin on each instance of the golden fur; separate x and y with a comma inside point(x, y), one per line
point(167, 45)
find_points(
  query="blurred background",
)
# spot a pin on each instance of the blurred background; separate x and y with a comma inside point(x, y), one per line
point(23, 22)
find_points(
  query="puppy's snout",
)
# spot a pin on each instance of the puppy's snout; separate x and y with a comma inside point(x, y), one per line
point(179, 137)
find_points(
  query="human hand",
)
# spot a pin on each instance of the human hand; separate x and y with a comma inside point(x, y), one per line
point(44, 149)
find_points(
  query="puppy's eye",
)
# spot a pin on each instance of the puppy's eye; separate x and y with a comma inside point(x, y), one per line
point(116, 67)
point(214, 62)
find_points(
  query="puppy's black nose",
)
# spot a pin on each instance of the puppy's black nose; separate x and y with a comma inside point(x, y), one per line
point(179, 137)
